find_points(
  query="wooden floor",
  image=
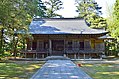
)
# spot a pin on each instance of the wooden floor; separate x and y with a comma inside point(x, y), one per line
point(60, 69)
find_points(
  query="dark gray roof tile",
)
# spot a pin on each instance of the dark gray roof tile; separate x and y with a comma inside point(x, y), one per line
point(61, 26)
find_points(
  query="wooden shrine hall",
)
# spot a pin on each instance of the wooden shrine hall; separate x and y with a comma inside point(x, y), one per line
point(70, 37)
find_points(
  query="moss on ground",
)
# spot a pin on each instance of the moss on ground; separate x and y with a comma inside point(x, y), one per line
point(101, 71)
point(19, 69)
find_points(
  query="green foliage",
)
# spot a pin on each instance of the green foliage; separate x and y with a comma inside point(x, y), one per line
point(96, 21)
point(52, 7)
point(116, 20)
point(15, 17)
point(85, 7)
point(5, 9)
point(41, 9)
point(113, 28)
point(89, 10)
point(113, 22)
point(111, 48)
point(116, 9)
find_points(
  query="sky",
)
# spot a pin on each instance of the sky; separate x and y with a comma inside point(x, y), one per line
point(69, 10)
point(105, 4)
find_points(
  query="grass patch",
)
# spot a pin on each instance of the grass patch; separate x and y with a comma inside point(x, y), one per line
point(19, 69)
point(101, 71)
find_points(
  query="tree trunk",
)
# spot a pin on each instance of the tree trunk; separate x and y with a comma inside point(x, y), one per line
point(15, 46)
point(15, 41)
point(1, 42)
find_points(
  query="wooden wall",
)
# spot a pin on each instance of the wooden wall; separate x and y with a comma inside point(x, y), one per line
point(89, 41)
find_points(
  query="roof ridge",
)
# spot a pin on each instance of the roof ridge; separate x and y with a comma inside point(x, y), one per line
point(37, 19)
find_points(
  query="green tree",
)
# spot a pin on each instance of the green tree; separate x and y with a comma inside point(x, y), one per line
point(116, 19)
point(15, 17)
point(41, 9)
point(90, 11)
point(5, 10)
point(113, 28)
point(52, 7)
point(20, 18)
point(112, 46)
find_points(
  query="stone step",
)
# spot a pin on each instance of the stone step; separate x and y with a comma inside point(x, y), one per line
point(56, 58)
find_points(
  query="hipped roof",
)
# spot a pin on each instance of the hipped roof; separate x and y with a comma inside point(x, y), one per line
point(62, 26)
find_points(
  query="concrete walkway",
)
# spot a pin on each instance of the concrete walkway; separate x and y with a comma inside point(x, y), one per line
point(60, 69)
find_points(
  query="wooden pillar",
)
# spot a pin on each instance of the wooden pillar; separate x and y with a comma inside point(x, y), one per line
point(37, 48)
point(33, 55)
point(78, 55)
point(90, 56)
point(100, 56)
point(43, 56)
point(75, 56)
point(25, 53)
point(37, 45)
point(31, 45)
point(84, 56)
point(50, 46)
point(64, 49)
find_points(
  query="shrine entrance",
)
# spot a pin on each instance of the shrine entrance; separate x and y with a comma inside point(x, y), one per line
point(57, 47)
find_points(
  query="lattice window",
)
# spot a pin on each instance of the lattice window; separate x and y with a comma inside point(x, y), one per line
point(69, 45)
point(87, 45)
point(75, 45)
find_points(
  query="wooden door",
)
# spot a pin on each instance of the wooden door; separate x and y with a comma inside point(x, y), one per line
point(57, 47)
